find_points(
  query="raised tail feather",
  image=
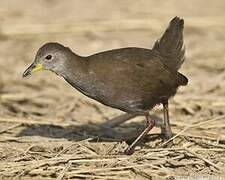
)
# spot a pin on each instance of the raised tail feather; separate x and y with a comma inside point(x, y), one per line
point(170, 45)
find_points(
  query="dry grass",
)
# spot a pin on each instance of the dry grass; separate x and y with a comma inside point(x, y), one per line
point(49, 131)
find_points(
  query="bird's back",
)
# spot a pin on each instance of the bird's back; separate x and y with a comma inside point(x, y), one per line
point(131, 79)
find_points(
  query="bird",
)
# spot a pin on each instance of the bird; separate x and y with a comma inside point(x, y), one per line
point(131, 79)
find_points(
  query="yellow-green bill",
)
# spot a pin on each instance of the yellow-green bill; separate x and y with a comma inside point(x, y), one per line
point(38, 67)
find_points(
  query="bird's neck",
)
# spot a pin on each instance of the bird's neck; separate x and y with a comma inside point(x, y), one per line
point(76, 71)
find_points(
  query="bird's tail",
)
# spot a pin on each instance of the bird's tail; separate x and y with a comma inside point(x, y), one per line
point(170, 45)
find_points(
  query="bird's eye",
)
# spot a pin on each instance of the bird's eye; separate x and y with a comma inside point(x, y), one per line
point(48, 57)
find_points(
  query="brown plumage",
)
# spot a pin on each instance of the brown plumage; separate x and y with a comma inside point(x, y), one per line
point(131, 79)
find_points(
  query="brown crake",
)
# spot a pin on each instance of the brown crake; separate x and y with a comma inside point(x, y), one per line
point(131, 79)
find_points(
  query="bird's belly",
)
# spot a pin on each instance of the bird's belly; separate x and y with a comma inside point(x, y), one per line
point(109, 97)
point(128, 99)
point(124, 99)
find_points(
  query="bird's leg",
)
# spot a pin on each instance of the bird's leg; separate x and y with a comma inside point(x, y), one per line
point(150, 125)
point(108, 126)
point(118, 120)
point(166, 129)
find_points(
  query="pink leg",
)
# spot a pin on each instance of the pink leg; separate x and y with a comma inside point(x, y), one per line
point(150, 123)
point(166, 129)
point(118, 120)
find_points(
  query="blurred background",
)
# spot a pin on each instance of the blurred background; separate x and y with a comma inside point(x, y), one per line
point(44, 111)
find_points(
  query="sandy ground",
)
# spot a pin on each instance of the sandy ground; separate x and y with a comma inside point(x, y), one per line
point(48, 130)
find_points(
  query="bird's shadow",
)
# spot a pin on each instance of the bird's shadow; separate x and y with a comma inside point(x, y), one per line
point(94, 132)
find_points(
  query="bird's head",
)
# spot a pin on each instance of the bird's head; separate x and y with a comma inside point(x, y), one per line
point(51, 56)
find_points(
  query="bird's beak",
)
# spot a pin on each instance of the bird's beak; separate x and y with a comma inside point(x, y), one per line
point(33, 68)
